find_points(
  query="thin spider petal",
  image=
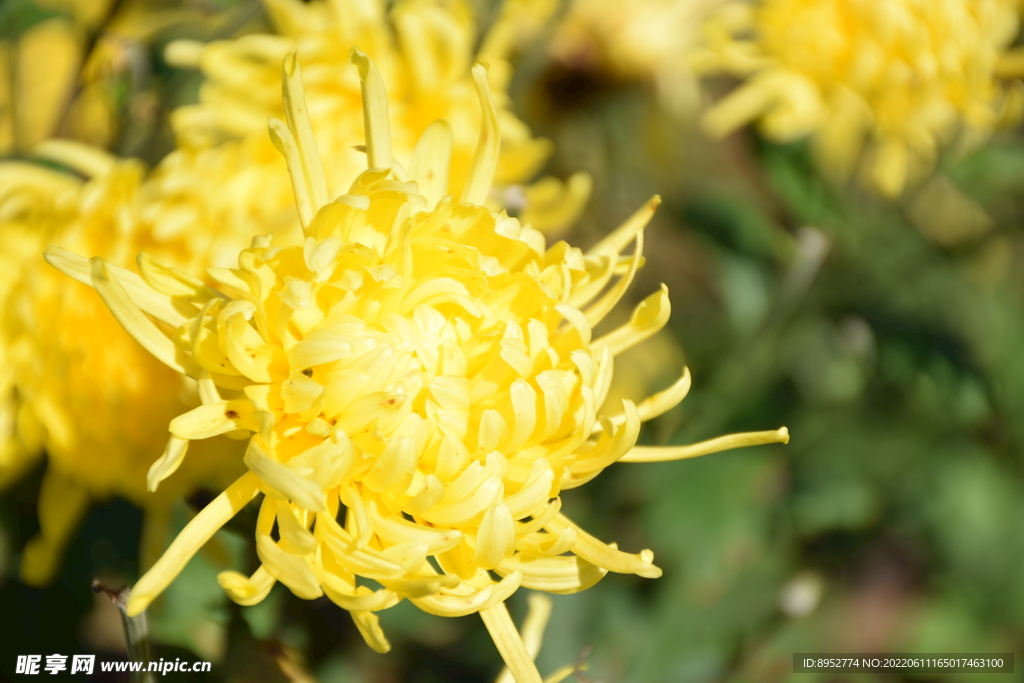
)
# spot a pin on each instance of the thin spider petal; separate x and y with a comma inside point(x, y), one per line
point(195, 534)
point(716, 445)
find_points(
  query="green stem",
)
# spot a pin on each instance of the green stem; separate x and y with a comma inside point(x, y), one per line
point(136, 632)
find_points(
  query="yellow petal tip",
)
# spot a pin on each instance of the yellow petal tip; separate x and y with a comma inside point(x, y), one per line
point(358, 58)
point(137, 604)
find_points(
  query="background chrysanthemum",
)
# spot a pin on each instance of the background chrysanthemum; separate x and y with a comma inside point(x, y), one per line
point(885, 84)
point(81, 70)
point(75, 386)
point(77, 70)
point(424, 49)
point(422, 367)
point(647, 41)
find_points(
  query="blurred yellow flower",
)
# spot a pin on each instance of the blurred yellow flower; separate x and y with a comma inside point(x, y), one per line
point(82, 75)
point(90, 13)
point(424, 49)
point(646, 40)
point(73, 383)
point(37, 81)
point(420, 363)
point(889, 81)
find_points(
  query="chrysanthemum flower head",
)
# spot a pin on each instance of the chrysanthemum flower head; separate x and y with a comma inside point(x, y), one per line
point(886, 81)
point(74, 385)
point(423, 49)
point(420, 379)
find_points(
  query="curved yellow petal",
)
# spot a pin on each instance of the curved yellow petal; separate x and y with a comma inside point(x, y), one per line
point(376, 125)
point(167, 463)
point(485, 159)
point(606, 556)
point(510, 644)
point(648, 318)
point(247, 590)
point(532, 632)
point(134, 321)
point(619, 238)
point(297, 117)
point(716, 445)
point(142, 295)
point(195, 534)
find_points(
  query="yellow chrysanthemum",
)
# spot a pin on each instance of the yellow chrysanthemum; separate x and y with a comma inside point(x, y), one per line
point(73, 383)
point(646, 40)
point(420, 365)
point(902, 75)
point(424, 49)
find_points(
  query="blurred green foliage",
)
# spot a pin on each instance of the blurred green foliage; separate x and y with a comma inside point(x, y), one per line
point(886, 337)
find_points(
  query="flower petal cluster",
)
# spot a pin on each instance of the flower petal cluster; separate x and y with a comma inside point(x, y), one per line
point(879, 83)
point(74, 384)
point(78, 396)
point(424, 50)
point(419, 378)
